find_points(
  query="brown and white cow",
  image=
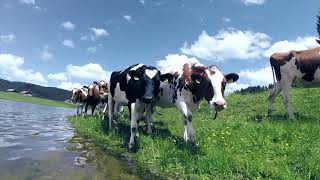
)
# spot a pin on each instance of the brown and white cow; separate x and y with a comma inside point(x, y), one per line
point(298, 67)
point(79, 96)
point(188, 86)
point(93, 98)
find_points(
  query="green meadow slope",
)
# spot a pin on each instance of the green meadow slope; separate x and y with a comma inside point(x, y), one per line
point(241, 143)
point(34, 100)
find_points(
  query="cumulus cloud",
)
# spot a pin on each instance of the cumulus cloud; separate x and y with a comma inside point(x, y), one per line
point(174, 62)
point(95, 33)
point(31, 3)
point(58, 77)
point(142, 2)
point(128, 17)
point(69, 85)
point(228, 44)
point(11, 69)
point(68, 43)
point(68, 25)
point(7, 38)
point(301, 43)
point(225, 19)
point(252, 77)
point(45, 54)
point(89, 71)
point(253, 2)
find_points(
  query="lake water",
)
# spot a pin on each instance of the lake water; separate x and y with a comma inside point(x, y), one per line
point(37, 142)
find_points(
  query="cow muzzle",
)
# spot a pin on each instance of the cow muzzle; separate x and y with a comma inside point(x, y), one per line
point(219, 105)
point(148, 99)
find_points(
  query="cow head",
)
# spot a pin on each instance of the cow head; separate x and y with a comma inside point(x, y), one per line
point(218, 82)
point(209, 83)
point(145, 81)
point(78, 93)
point(103, 86)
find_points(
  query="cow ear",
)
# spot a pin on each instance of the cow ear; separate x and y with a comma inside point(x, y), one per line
point(232, 77)
point(85, 87)
point(167, 76)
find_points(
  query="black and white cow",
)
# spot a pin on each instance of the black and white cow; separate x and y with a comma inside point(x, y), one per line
point(188, 86)
point(136, 87)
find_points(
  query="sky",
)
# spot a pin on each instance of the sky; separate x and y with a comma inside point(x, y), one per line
point(71, 43)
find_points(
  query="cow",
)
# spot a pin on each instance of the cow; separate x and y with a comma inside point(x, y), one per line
point(93, 97)
point(79, 96)
point(188, 86)
point(137, 87)
point(298, 67)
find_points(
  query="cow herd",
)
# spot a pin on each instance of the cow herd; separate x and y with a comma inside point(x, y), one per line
point(141, 88)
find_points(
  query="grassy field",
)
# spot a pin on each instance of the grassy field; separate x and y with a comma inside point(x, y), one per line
point(34, 100)
point(241, 143)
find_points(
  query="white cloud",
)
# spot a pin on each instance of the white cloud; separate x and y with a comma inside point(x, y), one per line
point(225, 19)
point(28, 2)
point(253, 2)
point(68, 43)
point(128, 17)
point(8, 38)
point(95, 33)
point(174, 62)
point(89, 71)
point(45, 54)
point(301, 43)
point(31, 3)
point(142, 1)
point(58, 77)
point(68, 25)
point(11, 68)
point(69, 85)
point(249, 77)
point(228, 44)
point(92, 49)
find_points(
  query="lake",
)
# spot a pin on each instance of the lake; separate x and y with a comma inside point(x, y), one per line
point(38, 142)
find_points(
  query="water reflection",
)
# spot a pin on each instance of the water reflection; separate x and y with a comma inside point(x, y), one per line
point(37, 142)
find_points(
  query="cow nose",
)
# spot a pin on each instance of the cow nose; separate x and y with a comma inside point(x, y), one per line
point(219, 105)
point(147, 99)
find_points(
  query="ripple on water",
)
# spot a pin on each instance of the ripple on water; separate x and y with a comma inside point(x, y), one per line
point(5, 144)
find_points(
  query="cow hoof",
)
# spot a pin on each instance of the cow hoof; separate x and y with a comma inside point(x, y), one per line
point(131, 146)
point(292, 117)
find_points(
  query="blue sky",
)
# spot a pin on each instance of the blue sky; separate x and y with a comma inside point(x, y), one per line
point(69, 43)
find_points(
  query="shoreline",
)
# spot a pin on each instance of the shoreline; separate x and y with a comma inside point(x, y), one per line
point(34, 100)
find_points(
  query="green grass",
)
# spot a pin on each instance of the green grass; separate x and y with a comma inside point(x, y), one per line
point(241, 143)
point(34, 100)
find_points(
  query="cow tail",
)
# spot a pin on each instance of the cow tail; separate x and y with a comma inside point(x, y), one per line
point(274, 80)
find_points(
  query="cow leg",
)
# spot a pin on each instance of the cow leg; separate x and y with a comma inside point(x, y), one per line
point(93, 107)
point(85, 109)
point(273, 94)
point(134, 124)
point(188, 131)
point(149, 118)
point(110, 111)
point(78, 107)
point(286, 98)
point(104, 111)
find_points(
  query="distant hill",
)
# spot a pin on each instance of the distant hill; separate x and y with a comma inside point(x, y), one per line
point(36, 90)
